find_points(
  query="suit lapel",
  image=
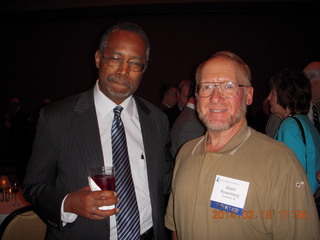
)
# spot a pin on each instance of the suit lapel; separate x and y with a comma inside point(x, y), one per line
point(147, 126)
point(149, 134)
point(86, 130)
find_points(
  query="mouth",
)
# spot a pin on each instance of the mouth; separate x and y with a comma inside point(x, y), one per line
point(217, 110)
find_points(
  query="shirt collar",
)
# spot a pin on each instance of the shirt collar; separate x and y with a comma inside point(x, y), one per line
point(231, 147)
point(191, 105)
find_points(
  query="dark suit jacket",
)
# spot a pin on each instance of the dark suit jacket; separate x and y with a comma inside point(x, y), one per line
point(186, 127)
point(67, 145)
point(172, 114)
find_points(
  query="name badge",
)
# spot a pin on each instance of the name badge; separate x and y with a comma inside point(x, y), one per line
point(229, 194)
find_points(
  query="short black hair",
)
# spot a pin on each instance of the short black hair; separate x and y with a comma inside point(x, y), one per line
point(124, 26)
point(165, 88)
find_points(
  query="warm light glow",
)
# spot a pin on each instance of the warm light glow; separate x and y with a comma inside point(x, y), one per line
point(4, 182)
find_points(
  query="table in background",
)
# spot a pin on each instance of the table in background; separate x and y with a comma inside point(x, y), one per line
point(7, 207)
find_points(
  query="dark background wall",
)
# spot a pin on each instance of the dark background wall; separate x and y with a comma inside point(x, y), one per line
point(47, 49)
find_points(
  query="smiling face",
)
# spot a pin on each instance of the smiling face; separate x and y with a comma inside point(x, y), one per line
point(120, 83)
point(217, 112)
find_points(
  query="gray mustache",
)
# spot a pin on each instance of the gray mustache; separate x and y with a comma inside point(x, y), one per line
point(119, 80)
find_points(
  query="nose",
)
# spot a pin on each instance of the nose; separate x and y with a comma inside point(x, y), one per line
point(269, 97)
point(216, 95)
point(123, 69)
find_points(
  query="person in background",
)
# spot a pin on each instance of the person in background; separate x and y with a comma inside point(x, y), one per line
point(273, 121)
point(290, 97)
point(234, 182)
point(261, 117)
point(272, 125)
point(182, 99)
point(187, 125)
point(312, 71)
point(168, 94)
point(74, 135)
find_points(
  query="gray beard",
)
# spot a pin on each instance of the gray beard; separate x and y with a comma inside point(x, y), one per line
point(117, 95)
point(232, 121)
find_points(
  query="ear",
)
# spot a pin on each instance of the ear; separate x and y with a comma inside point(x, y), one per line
point(249, 95)
point(97, 58)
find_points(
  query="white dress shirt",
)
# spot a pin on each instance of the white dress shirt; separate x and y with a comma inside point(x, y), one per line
point(130, 118)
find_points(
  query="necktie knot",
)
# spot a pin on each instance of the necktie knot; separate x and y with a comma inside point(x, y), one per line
point(117, 111)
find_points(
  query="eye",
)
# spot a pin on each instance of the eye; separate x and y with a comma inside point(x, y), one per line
point(116, 59)
point(135, 63)
point(229, 86)
point(207, 87)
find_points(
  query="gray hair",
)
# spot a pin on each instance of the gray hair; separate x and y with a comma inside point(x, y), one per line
point(232, 56)
point(125, 26)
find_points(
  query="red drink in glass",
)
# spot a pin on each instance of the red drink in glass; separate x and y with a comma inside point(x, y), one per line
point(105, 182)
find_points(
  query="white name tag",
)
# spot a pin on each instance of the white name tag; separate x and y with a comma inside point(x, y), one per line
point(229, 194)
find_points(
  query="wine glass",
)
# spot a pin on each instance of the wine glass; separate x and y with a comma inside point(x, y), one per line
point(104, 177)
point(15, 189)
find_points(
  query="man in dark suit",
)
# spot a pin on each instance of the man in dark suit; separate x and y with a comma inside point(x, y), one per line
point(312, 71)
point(73, 136)
point(187, 126)
point(182, 99)
point(168, 96)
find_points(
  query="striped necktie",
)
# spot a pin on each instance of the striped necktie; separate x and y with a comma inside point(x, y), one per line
point(315, 117)
point(127, 219)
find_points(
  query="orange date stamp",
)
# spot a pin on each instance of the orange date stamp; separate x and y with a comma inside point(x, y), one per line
point(268, 214)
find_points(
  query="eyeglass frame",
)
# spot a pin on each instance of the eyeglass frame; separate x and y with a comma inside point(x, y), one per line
point(218, 84)
point(123, 61)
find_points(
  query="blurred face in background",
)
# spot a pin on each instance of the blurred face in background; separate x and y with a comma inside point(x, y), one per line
point(171, 97)
point(275, 108)
point(183, 95)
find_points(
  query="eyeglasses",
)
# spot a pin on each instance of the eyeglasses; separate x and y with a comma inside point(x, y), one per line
point(226, 89)
point(134, 65)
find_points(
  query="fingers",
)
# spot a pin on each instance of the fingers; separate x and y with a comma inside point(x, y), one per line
point(97, 214)
point(103, 194)
point(94, 200)
point(106, 201)
point(86, 203)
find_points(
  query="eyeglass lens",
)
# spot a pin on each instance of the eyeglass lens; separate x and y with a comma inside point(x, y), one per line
point(228, 89)
point(134, 65)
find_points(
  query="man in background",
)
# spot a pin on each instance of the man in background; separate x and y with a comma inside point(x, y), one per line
point(168, 95)
point(182, 99)
point(187, 125)
point(312, 71)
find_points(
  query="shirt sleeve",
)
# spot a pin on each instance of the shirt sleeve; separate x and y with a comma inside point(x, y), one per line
point(169, 222)
point(67, 217)
point(294, 207)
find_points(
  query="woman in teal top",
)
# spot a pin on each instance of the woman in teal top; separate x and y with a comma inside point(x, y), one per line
point(290, 97)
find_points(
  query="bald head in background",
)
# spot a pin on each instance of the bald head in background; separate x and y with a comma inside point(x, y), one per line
point(312, 71)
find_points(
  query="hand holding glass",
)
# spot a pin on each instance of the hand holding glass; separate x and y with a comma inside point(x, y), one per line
point(104, 177)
